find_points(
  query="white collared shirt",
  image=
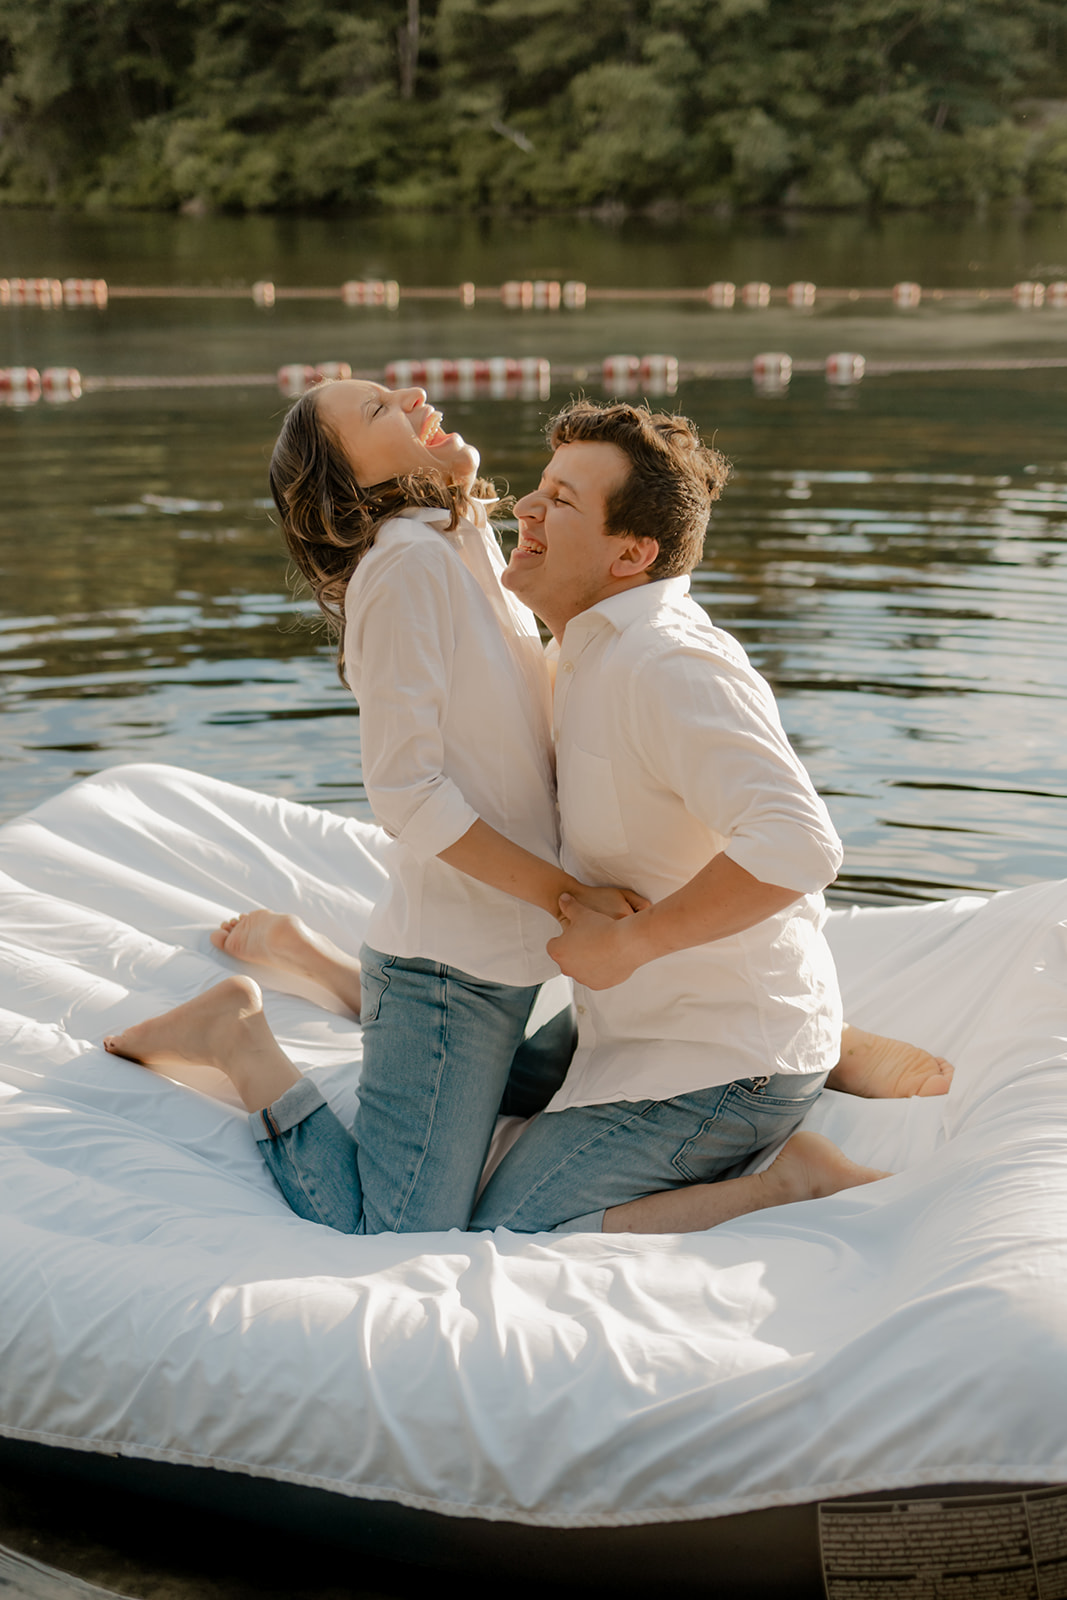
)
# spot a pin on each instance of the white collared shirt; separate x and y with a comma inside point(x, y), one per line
point(670, 749)
point(455, 724)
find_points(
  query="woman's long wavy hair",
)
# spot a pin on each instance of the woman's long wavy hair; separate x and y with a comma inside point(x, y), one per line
point(328, 519)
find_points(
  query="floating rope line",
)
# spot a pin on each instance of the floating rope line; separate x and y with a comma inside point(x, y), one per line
point(519, 294)
point(525, 377)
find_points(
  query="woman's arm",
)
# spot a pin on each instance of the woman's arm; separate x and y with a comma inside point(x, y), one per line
point(487, 855)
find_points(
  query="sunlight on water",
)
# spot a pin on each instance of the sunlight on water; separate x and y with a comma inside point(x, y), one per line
point(892, 558)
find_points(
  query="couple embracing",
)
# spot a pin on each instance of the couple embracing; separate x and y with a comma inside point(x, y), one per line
point(684, 898)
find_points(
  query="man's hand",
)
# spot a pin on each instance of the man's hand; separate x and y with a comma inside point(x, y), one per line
point(593, 948)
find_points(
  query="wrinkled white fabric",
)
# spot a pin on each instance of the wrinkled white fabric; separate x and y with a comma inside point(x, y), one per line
point(158, 1299)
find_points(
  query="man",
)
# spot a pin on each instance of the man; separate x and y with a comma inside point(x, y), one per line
point(709, 1021)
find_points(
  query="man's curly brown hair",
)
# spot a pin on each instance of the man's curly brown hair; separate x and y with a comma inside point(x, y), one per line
point(673, 479)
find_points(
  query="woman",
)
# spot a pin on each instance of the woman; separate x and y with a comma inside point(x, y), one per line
point(381, 514)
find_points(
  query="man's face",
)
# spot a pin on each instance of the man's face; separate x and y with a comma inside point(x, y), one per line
point(565, 562)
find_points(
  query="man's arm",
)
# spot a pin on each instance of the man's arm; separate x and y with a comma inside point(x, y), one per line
point(722, 899)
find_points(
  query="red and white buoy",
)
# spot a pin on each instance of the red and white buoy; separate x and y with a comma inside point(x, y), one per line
point(660, 373)
point(546, 295)
point(19, 386)
point(756, 295)
point(574, 293)
point(439, 372)
point(771, 371)
point(844, 367)
point(46, 292)
point(59, 384)
point(517, 295)
point(468, 293)
point(472, 370)
point(85, 292)
point(906, 296)
point(263, 293)
point(621, 369)
point(720, 295)
point(296, 379)
point(1028, 296)
point(371, 292)
point(332, 371)
point(1056, 296)
point(535, 377)
point(799, 295)
point(403, 374)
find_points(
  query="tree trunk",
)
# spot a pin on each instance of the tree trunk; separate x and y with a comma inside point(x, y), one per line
point(408, 40)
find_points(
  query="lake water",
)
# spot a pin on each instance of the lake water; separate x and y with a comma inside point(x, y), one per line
point(892, 556)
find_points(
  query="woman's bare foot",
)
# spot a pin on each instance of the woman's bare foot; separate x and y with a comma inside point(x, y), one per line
point(275, 939)
point(807, 1168)
point(224, 1028)
point(878, 1068)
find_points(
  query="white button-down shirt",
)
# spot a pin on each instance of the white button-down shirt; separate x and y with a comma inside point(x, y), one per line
point(455, 724)
point(669, 749)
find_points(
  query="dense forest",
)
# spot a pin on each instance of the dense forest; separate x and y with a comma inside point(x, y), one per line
point(270, 104)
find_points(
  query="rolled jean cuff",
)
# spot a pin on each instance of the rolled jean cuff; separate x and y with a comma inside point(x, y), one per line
point(292, 1107)
point(592, 1222)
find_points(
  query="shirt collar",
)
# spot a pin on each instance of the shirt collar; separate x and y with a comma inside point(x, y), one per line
point(438, 517)
point(619, 610)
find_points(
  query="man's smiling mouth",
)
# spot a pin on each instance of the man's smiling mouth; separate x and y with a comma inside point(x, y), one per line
point(530, 547)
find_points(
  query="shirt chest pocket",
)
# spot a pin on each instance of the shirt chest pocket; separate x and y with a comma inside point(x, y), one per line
point(590, 814)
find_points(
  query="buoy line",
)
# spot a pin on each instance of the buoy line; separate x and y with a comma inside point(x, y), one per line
point(519, 294)
point(510, 377)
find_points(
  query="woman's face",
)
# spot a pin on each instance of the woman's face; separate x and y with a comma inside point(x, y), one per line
point(391, 433)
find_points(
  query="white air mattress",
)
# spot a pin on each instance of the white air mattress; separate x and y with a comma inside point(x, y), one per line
point(159, 1301)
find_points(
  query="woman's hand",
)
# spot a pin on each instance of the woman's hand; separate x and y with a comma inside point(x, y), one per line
point(608, 900)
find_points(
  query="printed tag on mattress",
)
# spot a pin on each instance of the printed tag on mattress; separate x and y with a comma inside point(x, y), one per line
point(975, 1547)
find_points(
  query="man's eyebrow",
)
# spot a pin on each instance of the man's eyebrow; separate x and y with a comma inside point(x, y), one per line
point(561, 483)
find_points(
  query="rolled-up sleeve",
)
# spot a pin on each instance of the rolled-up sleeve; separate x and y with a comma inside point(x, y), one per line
point(399, 649)
point(709, 729)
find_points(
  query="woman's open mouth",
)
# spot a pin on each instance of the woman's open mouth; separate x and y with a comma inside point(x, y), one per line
point(431, 433)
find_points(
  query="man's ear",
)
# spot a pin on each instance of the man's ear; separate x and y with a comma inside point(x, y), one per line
point(635, 556)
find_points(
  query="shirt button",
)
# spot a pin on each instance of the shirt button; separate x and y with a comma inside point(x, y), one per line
point(580, 1010)
point(568, 666)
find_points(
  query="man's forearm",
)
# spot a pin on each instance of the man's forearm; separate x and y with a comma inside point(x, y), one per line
point(720, 900)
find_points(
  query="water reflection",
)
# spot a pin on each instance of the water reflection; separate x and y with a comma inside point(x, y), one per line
point(896, 569)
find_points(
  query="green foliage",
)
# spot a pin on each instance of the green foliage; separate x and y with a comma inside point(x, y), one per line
point(266, 104)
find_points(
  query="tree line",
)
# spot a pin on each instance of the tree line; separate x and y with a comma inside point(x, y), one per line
point(413, 104)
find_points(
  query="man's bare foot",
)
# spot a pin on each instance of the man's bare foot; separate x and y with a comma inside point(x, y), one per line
point(275, 939)
point(809, 1167)
point(224, 1028)
point(878, 1068)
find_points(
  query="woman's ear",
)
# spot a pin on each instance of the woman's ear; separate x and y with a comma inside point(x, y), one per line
point(635, 556)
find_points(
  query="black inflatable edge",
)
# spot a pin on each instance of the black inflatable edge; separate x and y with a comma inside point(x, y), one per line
point(752, 1555)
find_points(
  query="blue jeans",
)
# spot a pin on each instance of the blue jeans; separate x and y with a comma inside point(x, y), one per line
point(438, 1049)
point(568, 1167)
point(443, 1053)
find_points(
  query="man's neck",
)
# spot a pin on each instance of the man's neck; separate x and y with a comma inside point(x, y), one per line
point(557, 623)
